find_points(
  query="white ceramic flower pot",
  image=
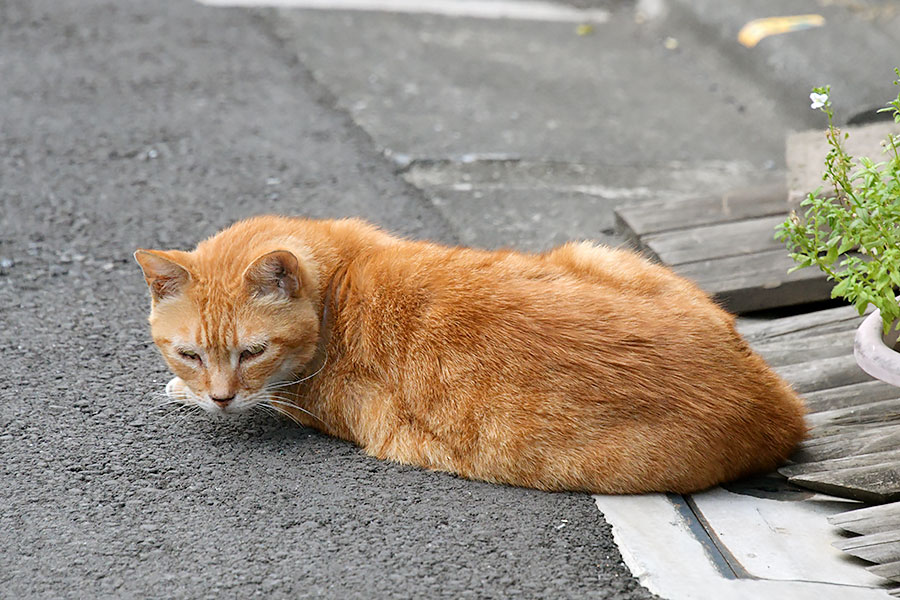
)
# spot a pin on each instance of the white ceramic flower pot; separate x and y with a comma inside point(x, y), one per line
point(874, 354)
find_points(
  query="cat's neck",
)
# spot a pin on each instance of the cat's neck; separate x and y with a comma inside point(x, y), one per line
point(329, 248)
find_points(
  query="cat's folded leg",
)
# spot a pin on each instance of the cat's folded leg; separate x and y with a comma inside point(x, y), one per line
point(176, 389)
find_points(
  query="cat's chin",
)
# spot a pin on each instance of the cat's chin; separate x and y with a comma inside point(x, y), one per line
point(229, 410)
point(177, 389)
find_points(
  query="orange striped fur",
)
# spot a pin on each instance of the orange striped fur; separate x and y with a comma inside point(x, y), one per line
point(583, 368)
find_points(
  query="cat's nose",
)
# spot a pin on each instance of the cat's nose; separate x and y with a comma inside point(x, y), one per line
point(221, 401)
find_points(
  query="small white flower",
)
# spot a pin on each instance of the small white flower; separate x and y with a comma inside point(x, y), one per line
point(818, 100)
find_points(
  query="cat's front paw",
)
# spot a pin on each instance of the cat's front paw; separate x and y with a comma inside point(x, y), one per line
point(177, 389)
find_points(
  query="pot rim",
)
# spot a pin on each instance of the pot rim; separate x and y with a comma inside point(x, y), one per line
point(872, 354)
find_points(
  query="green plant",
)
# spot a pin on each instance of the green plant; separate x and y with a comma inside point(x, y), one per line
point(861, 214)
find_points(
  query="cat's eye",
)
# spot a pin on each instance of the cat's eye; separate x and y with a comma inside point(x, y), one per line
point(188, 354)
point(252, 352)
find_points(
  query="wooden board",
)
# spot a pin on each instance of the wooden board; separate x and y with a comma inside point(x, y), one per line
point(849, 395)
point(671, 215)
point(727, 245)
point(849, 443)
point(842, 318)
point(758, 281)
point(826, 373)
point(890, 571)
point(883, 547)
point(781, 352)
point(873, 483)
point(881, 412)
point(722, 240)
point(869, 520)
point(844, 462)
point(854, 448)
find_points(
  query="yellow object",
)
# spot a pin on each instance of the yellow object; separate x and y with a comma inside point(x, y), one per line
point(751, 33)
point(584, 29)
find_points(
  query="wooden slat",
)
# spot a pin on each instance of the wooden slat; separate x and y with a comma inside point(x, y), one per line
point(823, 374)
point(727, 245)
point(848, 326)
point(869, 520)
point(850, 395)
point(889, 570)
point(882, 412)
point(740, 238)
point(881, 547)
point(885, 458)
point(781, 351)
point(757, 281)
point(876, 484)
point(849, 444)
point(829, 430)
point(669, 215)
point(753, 329)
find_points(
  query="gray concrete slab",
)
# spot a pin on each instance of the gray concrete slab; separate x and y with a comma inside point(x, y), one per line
point(854, 52)
point(437, 88)
point(535, 206)
point(130, 124)
point(490, 219)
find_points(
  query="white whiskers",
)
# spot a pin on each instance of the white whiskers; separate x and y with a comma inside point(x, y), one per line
point(282, 384)
point(274, 399)
point(277, 404)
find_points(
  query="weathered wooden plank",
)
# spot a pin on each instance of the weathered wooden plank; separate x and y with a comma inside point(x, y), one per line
point(880, 547)
point(889, 570)
point(849, 443)
point(757, 281)
point(789, 351)
point(753, 329)
point(882, 412)
point(829, 430)
point(850, 395)
point(823, 374)
point(876, 484)
point(885, 458)
point(739, 238)
point(798, 338)
point(869, 520)
point(672, 214)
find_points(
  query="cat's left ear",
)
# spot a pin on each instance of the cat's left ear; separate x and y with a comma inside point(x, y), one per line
point(277, 273)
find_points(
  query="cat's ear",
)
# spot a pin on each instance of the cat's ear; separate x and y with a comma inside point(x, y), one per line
point(277, 273)
point(164, 275)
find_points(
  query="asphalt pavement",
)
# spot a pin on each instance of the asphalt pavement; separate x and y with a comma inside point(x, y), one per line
point(154, 124)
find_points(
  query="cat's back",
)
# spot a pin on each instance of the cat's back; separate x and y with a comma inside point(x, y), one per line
point(575, 283)
point(614, 322)
point(592, 347)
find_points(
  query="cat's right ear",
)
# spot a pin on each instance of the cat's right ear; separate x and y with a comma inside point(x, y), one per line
point(277, 274)
point(164, 276)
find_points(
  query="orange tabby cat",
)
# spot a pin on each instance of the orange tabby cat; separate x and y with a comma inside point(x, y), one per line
point(584, 368)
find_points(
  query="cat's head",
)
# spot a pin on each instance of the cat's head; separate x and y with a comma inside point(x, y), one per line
point(231, 328)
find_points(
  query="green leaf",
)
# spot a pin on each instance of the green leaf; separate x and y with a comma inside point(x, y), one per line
point(895, 277)
point(840, 289)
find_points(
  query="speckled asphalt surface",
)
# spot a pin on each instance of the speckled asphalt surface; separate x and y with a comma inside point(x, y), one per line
point(153, 124)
